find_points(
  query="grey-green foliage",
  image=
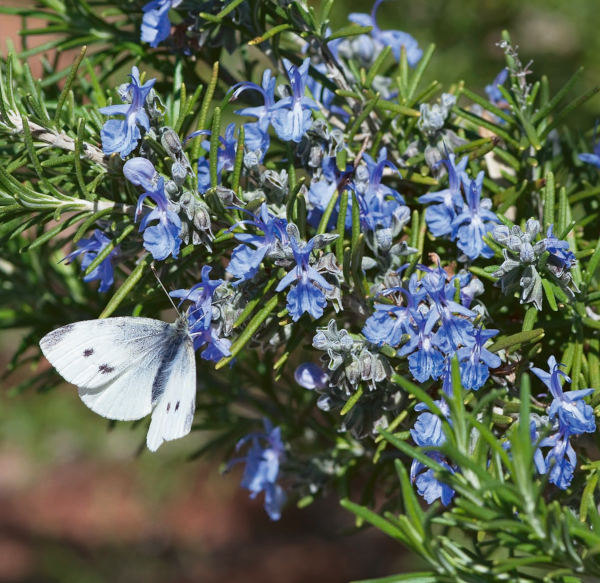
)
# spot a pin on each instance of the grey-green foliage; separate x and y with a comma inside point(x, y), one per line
point(524, 259)
point(501, 526)
point(56, 185)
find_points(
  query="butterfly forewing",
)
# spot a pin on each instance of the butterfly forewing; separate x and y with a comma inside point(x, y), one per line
point(113, 362)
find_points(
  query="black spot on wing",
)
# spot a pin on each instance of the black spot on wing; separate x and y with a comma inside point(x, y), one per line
point(88, 352)
point(105, 369)
point(177, 406)
point(168, 406)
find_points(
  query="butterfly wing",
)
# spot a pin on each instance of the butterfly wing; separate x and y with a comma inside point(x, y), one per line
point(174, 393)
point(113, 361)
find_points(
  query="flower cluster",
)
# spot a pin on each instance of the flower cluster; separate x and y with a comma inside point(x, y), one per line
point(431, 321)
point(263, 460)
point(428, 433)
point(122, 135)
point(90, 249)
point(162, 238)
point(569, 416)
point(348, 364)
point(305, 210)
point(156, 25)
point(205, 325)
point(527, 258)
point(466, 219)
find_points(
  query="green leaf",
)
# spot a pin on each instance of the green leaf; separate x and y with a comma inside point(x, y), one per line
point(411, 504)
point(567, 110)
point(347, 31)
point(67, 86)
point(126, 287)
point(548, 108)
point(501, 113)
point(250, 329)
point(587, 496)
point(480, 122)
point(530, 318)
point(375, 68)
point(549, 292)
point(290, 208)
point(206, 102)
point(549, 200)
point(239, 159)
point(352, 401)
point(592, 264)
point(562, 221)
point(327, 213)
point(341, 227)
point(270, 33)
point(229, 8)
point(214, 147)
point(372, 518)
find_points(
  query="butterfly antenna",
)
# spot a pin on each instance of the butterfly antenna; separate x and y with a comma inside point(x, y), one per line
point(164, 288)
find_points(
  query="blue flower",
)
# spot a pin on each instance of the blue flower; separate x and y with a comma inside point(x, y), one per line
point(307, 295)
point(475, 361)
point(311, 376)
point(381, 206)
point(429, 487)
point(425, 360)
point(122, 135)
point(390, 322)
point(559, 250)
point(573, 414)
point(453, 330)
point(247, 257)
point(494, 94)
point(200, 316)
point(215, 347)
point(573, 417)
point(257, 133)
point(594, 157)
point(90, 249)
point(395, 39)
point(262, 113)
point(428, 432)
point(200, 294)
point(475, 220)
point(439, 217)
point(161, 239)
point(156, 26)
point(321, 191)
point(561, 459)
point(262, 467)
point(387, 325)
point(292, 116)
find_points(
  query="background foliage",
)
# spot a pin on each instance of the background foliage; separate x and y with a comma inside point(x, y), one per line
point(38, 312)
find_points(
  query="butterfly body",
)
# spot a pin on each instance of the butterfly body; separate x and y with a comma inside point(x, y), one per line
point(126, 368)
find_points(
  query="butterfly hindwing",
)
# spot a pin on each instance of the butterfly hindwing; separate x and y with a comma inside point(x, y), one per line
point(175, 395)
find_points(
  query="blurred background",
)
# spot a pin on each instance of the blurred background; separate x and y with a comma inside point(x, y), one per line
point(559, 36)
point(80, 503)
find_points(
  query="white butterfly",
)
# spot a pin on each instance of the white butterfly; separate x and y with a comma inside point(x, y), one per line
point(125, 368)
